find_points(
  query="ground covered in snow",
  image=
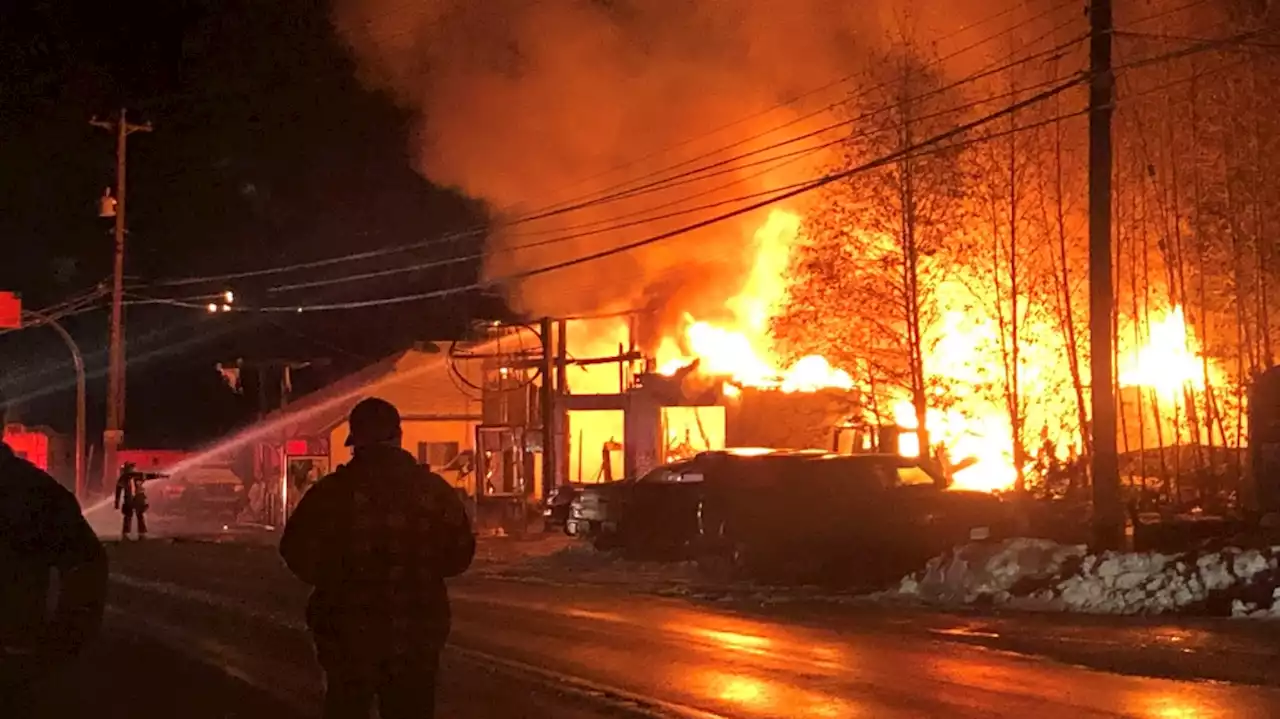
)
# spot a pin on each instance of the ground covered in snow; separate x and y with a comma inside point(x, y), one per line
point(1039, 574)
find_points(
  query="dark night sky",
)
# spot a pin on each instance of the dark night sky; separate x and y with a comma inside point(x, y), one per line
point(266, 151)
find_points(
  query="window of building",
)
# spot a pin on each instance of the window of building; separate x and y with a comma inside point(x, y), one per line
point(437, 455)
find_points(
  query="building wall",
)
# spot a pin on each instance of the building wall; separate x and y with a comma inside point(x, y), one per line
point(423, 385)
point(46, 449)
point(435, 408)
point(152, 460)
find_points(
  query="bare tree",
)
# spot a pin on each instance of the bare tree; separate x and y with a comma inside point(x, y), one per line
point(873, 255)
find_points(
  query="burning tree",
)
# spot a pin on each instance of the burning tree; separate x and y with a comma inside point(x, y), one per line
point(1019, 270)
point(876, 252)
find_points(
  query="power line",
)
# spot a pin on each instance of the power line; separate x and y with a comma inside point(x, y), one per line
point(605, 226)
point(58, 311)
point(836, 125)
point(779, 105)
point(1190, 78)
point(786, 103)
point(545, 214)
point(1244, 44)
point(1166, 13)
point(1204, 46)
point(1208, 45)
point(802, 189)
point(828, 108)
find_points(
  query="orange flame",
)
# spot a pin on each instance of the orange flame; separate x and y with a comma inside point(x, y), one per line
point(964, 354)
point(1170, 361)
point(743, 352)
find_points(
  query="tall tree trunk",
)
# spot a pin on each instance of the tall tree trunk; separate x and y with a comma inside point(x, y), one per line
point(1135, 316)
point(1177, 276)
point(1015, 291)
point(1202, 252)
point(1116, 284)
point(1156, 416)
point(1262, 244)
point(1066, 314)
point(911, 277)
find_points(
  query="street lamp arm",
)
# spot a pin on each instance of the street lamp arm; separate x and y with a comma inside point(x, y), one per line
point(78, 360)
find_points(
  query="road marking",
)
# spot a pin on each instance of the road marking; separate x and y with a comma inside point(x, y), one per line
point(215, 654)
point(231, 661)
point(649, 706)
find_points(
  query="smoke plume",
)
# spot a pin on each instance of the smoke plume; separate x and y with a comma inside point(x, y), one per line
point(529, 103)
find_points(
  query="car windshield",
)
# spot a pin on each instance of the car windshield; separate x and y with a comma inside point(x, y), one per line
point(913, 476)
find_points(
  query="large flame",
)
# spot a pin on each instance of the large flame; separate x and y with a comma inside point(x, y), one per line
point(742, 350)
point(1170, 362)
point(964, 354)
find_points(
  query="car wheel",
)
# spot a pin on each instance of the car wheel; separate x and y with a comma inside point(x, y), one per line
point(726, 560)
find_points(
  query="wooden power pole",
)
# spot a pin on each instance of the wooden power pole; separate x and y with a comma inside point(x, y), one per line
point(1105, 469)
point(113, 435)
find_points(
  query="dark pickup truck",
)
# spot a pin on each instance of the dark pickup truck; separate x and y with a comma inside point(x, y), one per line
point(804, 514)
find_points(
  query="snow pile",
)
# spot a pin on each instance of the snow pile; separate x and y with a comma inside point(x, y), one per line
point(1040, 574)
point(1245, 608)
point(973, 571)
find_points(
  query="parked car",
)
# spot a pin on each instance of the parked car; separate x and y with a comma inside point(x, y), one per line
point(555, 509)
point(658, 512)
point(760, 512)
point(842, 519)
point(206, 492)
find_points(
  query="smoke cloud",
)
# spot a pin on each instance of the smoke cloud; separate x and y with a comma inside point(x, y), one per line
point(527, 103)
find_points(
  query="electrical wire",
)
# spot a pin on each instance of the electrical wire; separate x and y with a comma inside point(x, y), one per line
point(453, 237)
point(792, 101)
point(1243, 44)
point(803, 188)
point(56, 312)
point(844, 101)
point(1166, 13)
point(1195, 49)
point(1199, 47)
point(842, 124)
point(1183, 80)
point(607, 228)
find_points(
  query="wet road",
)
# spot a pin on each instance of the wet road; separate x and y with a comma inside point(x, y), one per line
point(524, 650)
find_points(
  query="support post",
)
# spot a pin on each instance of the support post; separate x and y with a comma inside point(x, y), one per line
point(561, 420)
point(547, 402)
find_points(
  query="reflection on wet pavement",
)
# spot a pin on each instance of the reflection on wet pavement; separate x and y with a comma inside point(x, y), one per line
point(753, 696)
point(735, 666)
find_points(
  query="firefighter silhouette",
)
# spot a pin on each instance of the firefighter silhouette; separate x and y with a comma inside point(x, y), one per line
point(131, 497)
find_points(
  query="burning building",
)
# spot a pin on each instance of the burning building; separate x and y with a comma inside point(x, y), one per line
point(942, 293)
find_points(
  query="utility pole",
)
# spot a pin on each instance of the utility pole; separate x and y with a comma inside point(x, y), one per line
point(1107, 511)
point(113, 435)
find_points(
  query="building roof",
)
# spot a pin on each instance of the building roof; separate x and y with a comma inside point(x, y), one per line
point(411, 379)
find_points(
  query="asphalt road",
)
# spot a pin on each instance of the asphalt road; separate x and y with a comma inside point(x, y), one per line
point(224, 622)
